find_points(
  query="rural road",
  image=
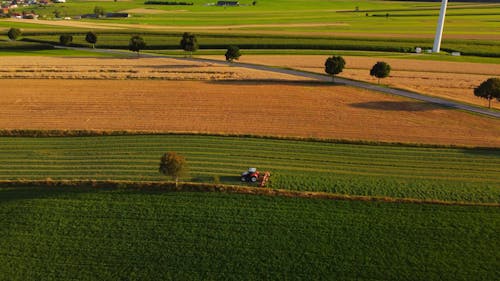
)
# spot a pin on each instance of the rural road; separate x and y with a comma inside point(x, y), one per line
point(319, 77)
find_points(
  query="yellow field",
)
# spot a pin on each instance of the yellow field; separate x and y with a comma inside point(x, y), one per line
point(272, 108)
point(14, 67)
point(451, 80)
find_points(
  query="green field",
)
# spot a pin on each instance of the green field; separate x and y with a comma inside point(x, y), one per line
point(421, 16)
point(89, 234)
point(471, 28)
point(449, 174)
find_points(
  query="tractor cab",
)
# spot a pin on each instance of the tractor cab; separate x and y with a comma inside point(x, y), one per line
point(252, 175)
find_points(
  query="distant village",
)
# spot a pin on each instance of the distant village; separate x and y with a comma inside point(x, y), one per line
point(8, 9)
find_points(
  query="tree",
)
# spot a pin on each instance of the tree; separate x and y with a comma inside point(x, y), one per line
point(136, 44)
point(489, 89)
point(99, 11)
point(334, 65)
point(14, 33)
point(380, 70)
point(189, 43)
point(65, 39)
point(173, 165)
point(91, 38)
point(232, 53)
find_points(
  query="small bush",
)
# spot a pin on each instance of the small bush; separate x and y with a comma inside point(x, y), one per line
point(65, 39)
point(14, 33)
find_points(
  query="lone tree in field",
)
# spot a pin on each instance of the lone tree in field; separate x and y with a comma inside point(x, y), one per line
point(14, 33)
point(136, 44)
point(380, 70)
point(91, 38)
point(232, 53)
point(173, 165)
point(489, 89)
point(334, 65)
point(189, 43)
point(65, 39)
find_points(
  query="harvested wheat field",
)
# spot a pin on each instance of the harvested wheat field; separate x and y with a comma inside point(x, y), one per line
point(272, 108)
point(451, 80)
point(126, 68)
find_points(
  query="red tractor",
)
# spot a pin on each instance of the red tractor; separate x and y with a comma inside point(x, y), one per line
point(252, 176)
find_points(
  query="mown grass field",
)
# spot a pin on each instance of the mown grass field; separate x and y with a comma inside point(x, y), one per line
point(469, 175)
point(75, 233)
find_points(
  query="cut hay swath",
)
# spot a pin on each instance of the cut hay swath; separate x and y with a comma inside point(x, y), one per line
point(448, 174)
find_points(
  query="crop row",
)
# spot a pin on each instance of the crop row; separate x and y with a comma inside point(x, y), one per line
point(395, 171)
point(85, 234)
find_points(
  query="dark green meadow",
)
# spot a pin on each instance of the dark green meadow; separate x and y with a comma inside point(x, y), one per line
point(448, 174)
point(99, 234)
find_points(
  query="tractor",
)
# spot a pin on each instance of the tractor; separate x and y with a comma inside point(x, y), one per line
point(253, 176)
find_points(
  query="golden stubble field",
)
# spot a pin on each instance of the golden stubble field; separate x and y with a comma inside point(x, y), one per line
point(262, 108)
point(451, 80)
point(38, 67)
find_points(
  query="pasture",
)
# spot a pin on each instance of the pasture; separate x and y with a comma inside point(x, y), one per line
point(92, 234)
point(448, 174)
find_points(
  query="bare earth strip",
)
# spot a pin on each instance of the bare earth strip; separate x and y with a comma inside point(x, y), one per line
point(451, 80)
point(283, 109)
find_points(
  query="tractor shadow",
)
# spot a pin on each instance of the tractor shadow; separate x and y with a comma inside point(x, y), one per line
point(217, 179)
point(413, 106)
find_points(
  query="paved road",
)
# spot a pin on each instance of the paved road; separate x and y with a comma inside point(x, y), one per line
point(321, 77)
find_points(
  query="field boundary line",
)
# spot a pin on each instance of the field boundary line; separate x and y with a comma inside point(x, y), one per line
point(26, 133)
point(170, 186)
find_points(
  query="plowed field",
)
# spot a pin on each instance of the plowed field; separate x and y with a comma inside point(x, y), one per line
point(285, 109)
point(451, 80)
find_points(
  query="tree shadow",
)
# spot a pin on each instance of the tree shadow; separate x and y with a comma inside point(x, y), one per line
point(16, 193)
point(398, 105)
point(217, 179)
point(493, 152)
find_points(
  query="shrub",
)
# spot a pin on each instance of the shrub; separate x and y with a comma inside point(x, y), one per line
point(232, 53)
point(14, 33)
point(380, 70)
point(334, 65)
point(65, 39)
point(489, 89)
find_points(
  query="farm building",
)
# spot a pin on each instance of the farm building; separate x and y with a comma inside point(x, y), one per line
point(228, 3)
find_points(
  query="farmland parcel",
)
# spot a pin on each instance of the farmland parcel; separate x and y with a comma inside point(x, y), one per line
point(91, 230)
point(55, 234)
